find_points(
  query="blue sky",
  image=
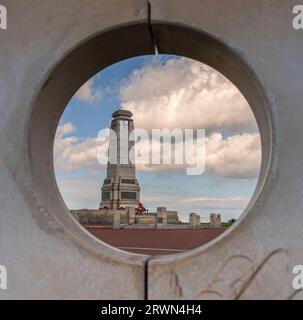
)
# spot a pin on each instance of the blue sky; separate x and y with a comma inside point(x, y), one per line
point(163, 91)
point(88, 116)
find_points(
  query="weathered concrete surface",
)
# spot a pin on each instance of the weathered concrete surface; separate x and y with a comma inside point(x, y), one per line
point(46, 253)
point(50, 49)
point(255, 258)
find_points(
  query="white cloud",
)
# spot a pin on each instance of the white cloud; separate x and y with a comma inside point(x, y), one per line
point(88, 92)
point(182, 93)
point(72, 153)
point(236, 156)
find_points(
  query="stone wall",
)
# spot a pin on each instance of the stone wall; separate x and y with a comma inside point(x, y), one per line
point(86, 216)
point(215, 220)
point(146, 219)
point(166, 216)
point(194, 221)
point(172, 217)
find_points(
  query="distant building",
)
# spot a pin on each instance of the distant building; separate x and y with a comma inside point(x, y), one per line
point(120, 187)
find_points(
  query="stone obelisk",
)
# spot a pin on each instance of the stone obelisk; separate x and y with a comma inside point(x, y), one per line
point(120, 188)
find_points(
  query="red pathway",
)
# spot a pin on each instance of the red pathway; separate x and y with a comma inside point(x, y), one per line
point(155, 242)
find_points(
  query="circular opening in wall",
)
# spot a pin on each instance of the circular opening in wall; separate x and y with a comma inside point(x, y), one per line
point(184, 159)
point(172, 91)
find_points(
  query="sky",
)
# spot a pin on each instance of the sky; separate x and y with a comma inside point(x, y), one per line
point(171, 92)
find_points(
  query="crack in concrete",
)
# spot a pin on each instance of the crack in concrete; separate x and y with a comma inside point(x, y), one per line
point(150, 27)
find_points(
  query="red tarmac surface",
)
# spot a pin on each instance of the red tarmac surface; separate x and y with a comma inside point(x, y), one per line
point(155, 242)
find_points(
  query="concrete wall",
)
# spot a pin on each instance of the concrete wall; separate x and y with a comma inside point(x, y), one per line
point(50, 49)
point(99, 216)
point(194, 221)
point(46, 253)
point(166, 216)
point(146, 219)
point(254, 258)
